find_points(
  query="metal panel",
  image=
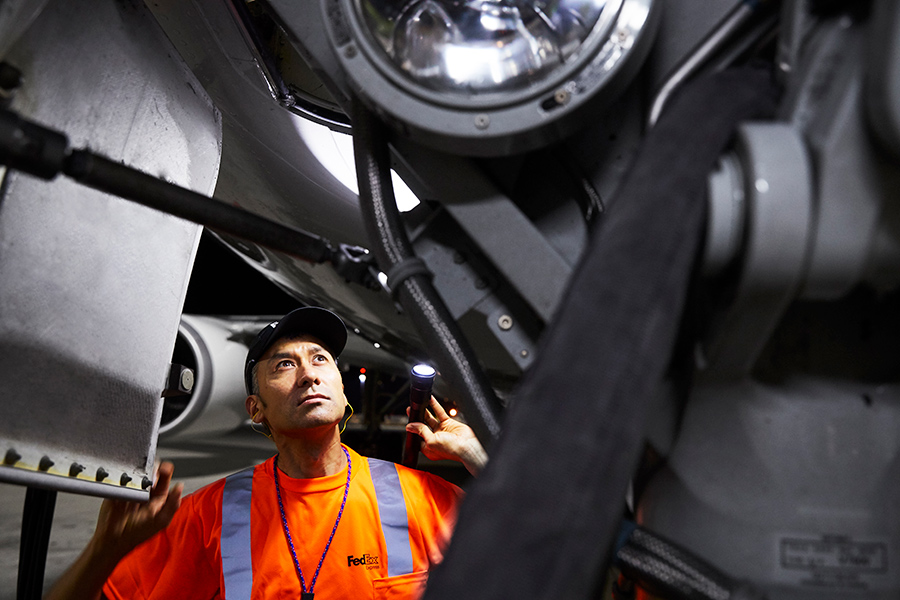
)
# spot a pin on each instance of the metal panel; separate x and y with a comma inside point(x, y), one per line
point(92, 285)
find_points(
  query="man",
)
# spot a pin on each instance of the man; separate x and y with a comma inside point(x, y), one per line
point(316, 520)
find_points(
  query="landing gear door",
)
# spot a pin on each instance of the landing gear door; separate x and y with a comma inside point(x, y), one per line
point(93, 286)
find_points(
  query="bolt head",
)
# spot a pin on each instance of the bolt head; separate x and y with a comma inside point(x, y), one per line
point(187, 379)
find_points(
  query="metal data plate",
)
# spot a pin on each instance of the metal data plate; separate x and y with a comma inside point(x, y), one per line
point(92, 286)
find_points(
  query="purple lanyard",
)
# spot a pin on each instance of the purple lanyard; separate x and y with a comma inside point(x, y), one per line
point(287, 532)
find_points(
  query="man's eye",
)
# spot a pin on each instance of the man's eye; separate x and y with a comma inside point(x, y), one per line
point(284, 364)
point(320, 358)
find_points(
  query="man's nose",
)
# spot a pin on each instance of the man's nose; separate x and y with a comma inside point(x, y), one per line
point(306, 374)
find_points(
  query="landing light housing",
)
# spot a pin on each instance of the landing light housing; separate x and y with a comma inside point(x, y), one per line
point(489, 77)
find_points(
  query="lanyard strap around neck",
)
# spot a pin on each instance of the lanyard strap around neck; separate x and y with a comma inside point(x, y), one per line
point(308, 595)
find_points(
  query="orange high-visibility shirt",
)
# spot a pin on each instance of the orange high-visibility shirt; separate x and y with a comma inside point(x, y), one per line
point(185, 559)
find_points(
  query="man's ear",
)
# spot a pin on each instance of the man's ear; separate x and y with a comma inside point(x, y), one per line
point(252, 404)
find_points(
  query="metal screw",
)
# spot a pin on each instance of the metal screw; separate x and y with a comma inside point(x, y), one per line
point(145, 483)
point(45, 463)
point(350, 51)
point(482, 121)
point(102, 474)
point(125, 479)
point(75, 469)
point(524, 353)
point(505, 322)
point(12, 457)
point(561, 96)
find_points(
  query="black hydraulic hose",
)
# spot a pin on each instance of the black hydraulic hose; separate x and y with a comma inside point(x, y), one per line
point(115, 178)
point(667, 570)
point(410, 281)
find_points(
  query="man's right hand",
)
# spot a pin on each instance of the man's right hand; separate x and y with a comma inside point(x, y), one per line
point(121, 526)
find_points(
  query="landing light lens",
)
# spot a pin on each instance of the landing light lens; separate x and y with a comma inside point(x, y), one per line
point(480, 46)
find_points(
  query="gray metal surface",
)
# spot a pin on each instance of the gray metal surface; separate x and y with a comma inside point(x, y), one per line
point(726, 218)
point(93, 285)
point(15, 17)
point(883, 77)
point(827, 105)
point(493, 222)
point(792, 485)
point(273, 162)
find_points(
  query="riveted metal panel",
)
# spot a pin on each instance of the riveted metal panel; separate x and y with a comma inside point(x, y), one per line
point(92, 286)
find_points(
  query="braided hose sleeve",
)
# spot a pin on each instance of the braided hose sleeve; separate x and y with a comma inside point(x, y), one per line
point(455, 358)
point(670, 571)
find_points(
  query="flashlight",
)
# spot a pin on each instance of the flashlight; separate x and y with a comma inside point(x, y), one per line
point(421, 378)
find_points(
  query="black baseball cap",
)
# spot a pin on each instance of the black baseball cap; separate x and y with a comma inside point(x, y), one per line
point(311, 320)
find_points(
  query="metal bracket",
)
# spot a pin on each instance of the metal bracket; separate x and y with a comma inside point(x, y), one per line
point(779, 200)
point(514, 245)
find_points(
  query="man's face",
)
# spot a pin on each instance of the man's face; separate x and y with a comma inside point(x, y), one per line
point(300, 387)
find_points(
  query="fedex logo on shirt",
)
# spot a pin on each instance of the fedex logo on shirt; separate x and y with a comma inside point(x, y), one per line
point(370, 562)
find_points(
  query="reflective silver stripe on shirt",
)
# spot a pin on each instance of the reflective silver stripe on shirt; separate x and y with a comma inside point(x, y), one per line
point(394, 521)
point(237, 568)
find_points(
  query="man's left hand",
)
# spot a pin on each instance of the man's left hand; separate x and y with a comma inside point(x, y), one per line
point(443, 437)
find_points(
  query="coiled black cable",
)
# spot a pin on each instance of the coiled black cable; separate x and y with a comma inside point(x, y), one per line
point(412, 286)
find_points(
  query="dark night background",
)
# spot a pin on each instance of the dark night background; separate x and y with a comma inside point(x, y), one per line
point(223, 284)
